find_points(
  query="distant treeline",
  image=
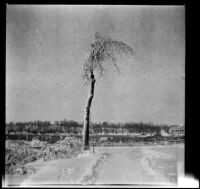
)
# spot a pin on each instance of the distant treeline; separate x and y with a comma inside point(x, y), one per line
point(74, 127)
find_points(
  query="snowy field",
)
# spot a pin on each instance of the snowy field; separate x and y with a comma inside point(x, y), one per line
point(151, 165)
point(142, 165)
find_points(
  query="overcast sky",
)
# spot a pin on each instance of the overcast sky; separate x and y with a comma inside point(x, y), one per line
point(46, 47)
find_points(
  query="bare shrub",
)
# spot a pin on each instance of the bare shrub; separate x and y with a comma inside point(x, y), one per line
point(62, 149)
point(17, 154)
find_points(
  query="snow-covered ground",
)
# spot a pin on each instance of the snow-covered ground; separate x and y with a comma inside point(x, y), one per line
point(163, 133)
point(114, 165)
point(140, 165)
point(65, 171)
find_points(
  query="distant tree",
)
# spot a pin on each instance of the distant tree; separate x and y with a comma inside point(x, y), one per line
point(102, 50)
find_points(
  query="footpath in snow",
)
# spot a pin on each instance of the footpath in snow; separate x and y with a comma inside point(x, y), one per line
point(138, 165)
point(113, 165)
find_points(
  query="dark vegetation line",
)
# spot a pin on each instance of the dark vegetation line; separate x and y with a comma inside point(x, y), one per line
point(74, 127)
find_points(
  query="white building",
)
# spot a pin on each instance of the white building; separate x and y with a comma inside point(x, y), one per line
point(177, 130)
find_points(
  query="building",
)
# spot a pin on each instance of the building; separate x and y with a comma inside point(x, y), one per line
point(177, 130)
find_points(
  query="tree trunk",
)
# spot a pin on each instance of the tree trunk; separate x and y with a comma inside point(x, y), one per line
point(87, 114)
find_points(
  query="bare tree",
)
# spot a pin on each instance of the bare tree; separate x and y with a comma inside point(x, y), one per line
point(104, 49)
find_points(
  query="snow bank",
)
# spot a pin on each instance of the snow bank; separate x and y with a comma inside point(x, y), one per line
point(65, 171)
